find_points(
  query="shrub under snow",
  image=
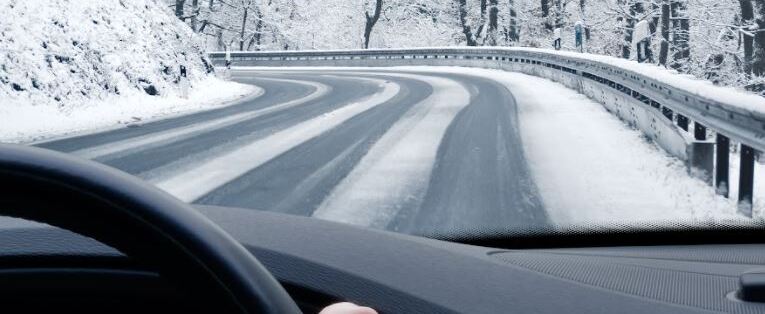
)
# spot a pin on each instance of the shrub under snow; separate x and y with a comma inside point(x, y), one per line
point(68, 53)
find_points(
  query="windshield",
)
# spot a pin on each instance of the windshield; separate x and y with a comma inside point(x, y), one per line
point(436, 118)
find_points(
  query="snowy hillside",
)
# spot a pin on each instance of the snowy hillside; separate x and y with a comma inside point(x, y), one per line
point(62, 57)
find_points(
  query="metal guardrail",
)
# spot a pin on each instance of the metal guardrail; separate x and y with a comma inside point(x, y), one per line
point(728, 121)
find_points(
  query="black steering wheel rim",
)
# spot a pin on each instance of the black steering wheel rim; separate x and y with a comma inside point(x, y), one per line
point(139, 220)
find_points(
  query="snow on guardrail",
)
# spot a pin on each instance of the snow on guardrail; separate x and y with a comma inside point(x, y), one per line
point(723, 94)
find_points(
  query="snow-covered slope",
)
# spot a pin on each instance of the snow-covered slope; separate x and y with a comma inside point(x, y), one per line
point(59, 58)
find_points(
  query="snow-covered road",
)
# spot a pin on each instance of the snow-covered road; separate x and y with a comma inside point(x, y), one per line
point(201, 179)
point(175, 134)
point(396, 169)
point(416, 149)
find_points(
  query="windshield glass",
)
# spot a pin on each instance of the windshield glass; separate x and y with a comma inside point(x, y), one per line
point(435, 118)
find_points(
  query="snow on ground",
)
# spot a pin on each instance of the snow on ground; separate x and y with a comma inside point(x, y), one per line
point(75, 65)
point(397, 168)
point(200, 179)
point(22, 123)
point(590, 167)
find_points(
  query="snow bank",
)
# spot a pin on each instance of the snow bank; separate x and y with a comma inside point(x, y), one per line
point(25, 123)
point(67, 66)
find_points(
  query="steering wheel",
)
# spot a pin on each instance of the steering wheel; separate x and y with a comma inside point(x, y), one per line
point(141, 221)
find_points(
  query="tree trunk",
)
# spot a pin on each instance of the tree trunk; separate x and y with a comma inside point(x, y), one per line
point(653, 23)
point(747, 18)
point(371, 21)
point(194, 14)
point(545, 6)
point(560, 8)
point(179, 8)
point(256, 36)
point(258, 28)
point(512, 35)
point(219, 37)
point(635, 8)
point(491, 33)
point(664, 22)
point(758, 54)
point(680, 34)
point(620, 21)
point(241, 33)
point(583, 11)
point(479, 32)
point(462, 11)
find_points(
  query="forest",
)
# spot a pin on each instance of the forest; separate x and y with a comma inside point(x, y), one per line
point(722, 41)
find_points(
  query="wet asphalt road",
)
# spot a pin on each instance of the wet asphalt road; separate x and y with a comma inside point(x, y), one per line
point(479, 177)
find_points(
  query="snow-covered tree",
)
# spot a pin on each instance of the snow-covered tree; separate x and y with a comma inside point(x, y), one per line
point(723, 41)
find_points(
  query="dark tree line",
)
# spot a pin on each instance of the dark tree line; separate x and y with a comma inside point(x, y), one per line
point(679, 30)
point(484, 29)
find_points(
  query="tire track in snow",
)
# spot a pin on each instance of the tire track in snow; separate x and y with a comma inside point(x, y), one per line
point(203, 178)
point(158, 138)
point(396, 170)
point(299, 180)
point(166, 160)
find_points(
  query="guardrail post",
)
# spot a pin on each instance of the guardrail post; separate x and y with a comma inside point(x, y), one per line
point(701, 161)
point(667, 112)
point(682, 122)
point(699, 131)
point(722, 185)
point(702, 154)
point(746, 181)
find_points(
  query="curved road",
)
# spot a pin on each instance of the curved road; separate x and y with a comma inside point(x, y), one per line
point(410, 152)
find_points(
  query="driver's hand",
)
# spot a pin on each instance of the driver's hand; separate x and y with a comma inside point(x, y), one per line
point(347, 308)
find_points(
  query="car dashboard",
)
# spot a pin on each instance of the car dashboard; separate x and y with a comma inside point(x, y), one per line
point(320, 262)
